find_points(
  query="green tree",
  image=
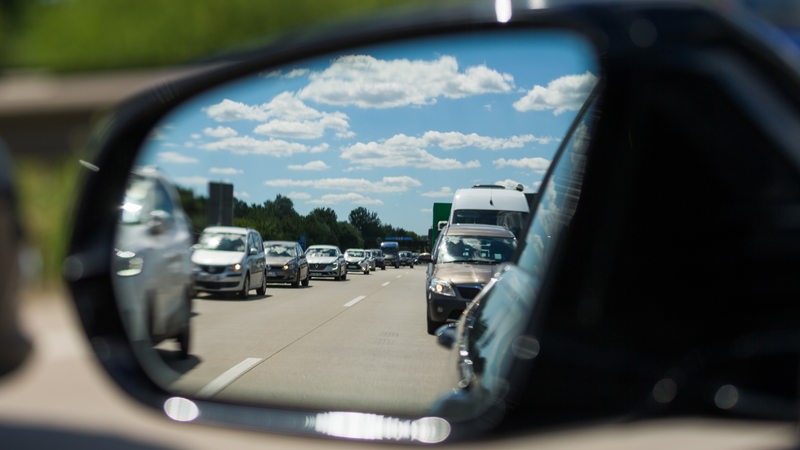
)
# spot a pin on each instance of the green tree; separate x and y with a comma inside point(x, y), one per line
point(349, 236)
point(368, 224)
point(284, 222)
point(195, 207)
point(318, 231)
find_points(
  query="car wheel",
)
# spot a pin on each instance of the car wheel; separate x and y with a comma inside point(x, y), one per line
point(306, 280)
point(410, 266)
point(296, 281)
point(344, 276)
point(151, 318)
point(184, 336)
point(183, 340)
point(262, 290)
point(433, 326)
point(245, 292)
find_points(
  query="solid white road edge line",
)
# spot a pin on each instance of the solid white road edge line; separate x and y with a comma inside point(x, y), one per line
point(228, 377)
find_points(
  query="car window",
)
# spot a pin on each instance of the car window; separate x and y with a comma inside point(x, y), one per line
point(134, 206)
point(222, 241)
point(558, 198)
point(475, 249)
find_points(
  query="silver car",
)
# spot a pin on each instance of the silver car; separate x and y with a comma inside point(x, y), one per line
point(371, 259)
point(230, 260)
point(357, 260)
point(326, 261)
point(152, 265)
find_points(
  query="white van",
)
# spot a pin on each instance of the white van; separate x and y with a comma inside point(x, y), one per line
point(492, 205)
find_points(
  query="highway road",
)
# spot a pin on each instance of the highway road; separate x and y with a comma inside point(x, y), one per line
point(62, 399)
point(358, 344)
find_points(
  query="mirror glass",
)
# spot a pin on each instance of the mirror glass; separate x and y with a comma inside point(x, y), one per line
point(347, 150)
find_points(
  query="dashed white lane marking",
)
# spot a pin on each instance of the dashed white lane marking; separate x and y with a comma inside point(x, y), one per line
point(228, 377)
point(354, 301)
point(385, 284)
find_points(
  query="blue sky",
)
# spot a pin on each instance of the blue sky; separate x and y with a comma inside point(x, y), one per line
point(392, 128)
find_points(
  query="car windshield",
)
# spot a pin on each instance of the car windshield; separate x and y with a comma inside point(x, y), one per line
point(132, 208)
point(230, 242)
point(356, 253)
point(280, 250)
point(513, 220)
point(476, 249)
point(322, 252)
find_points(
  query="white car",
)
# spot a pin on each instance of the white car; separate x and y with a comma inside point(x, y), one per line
point(357, 260)
point(326, 261)
point(152, 266)
point(230, 259)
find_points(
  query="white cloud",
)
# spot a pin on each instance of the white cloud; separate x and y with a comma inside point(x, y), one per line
point(225, 171)
point(367, 82)
point(352, 198)
point(311, 165)
point(220, 132)
point(191, 181)
point(295, 73)
point(396, 154)
point(444, 192)
point(298, 195)
point(285, 116)
point(241, 194)
point(228, 110)
point(538, 165)
point(567, 93)
point(412, 151)
point(306, 129)
point(246, 145)
point(176, 158)
point(387, 184)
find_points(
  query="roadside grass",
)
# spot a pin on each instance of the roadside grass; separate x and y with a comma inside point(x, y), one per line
point(79, 35)
point(46, 190)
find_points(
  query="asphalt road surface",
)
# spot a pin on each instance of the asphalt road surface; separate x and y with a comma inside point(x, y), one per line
point(358, 344)
point(62, 399)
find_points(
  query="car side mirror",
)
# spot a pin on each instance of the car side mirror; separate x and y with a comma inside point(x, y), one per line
point(158, 222)
point(281, 111)
point(424, 258)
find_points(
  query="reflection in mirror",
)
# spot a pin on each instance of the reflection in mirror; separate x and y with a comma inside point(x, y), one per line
point(351, 150)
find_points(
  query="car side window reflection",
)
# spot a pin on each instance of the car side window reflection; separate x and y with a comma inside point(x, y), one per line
point(560, 193)
point(491, 334)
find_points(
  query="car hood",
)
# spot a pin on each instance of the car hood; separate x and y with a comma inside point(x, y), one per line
point(321, 259)
point(216, 257)
point(278, 260)
point(464, 273)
